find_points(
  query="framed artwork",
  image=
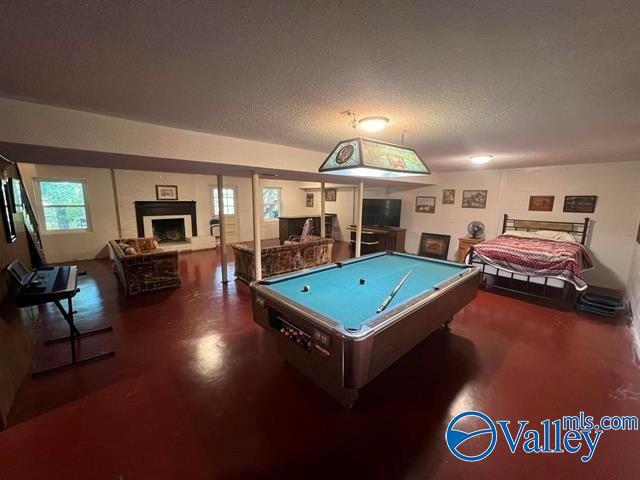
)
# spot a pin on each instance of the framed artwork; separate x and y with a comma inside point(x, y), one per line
point(7, 212)
point(434, 245)
point(474, 199)
point(426, 204)
point(541, 203)
point(448, 197)
point(16, 195)
point(580, 203)
point(309, 200)
point(330, 194)
point(166, 192)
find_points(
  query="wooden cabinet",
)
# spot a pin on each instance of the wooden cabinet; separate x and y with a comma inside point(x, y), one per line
point(378, 239)
point(293, 225)
point(464, 244)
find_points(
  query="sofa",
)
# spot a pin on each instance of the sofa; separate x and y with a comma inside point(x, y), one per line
point(143, 267)
point(282, 258)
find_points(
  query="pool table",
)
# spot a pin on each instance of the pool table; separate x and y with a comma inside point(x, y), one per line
point(326, 323)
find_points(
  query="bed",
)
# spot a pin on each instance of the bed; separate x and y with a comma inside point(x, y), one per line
point(537, 259)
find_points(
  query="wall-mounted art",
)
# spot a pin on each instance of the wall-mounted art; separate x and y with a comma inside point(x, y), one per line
point(541, 203)
point(580, 203)
point(166, 192)
point(426, 204)
point(310, 200)
point(7, 212)
point(434, 245)
point(474, 199)
point(448, 197)
point(15, 190)
point(330, 194)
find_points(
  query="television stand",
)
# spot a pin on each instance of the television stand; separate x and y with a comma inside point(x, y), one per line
point(378, 239)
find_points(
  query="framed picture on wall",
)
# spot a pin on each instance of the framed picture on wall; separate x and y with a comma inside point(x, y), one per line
point(541, 203)
point(474, 199)
point(448, 197)
point(16, 195)
point(166, 192)
point(330, 194)
point(434, 245)
point(580, 203)
point(426, 204)
point(310, 200)
point(7, 212)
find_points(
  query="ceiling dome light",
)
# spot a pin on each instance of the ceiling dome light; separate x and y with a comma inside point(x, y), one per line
point(481, 159)
point(373, 124)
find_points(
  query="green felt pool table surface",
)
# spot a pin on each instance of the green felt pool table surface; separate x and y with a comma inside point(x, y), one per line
point(336, 293)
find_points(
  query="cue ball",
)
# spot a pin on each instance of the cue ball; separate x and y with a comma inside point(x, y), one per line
point(306, 288)
point(362, 281)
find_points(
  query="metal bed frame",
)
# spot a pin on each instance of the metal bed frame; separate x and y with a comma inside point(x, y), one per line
point(580, 230)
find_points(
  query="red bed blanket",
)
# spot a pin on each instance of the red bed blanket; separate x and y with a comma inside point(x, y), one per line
point(537, 257)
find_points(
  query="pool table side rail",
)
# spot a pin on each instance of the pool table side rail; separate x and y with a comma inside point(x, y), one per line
point(307, 271)
point(399, 337)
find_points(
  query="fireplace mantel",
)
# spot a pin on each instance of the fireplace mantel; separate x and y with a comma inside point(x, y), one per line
point(157, 208)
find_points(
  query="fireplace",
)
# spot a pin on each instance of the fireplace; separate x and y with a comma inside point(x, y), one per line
point(174, 208)
point(168, 230)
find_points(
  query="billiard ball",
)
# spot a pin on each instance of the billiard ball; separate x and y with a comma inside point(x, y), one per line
point(362, 281)
point(306, 288)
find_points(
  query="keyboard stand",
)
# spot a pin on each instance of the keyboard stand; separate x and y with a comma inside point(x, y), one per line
point(72, 338)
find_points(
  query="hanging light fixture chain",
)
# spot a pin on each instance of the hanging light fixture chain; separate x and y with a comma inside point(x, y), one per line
point(354, 120)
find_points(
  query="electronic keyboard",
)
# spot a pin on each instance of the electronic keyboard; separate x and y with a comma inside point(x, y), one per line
point(44, 284)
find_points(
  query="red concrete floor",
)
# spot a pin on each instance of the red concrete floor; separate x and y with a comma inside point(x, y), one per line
point(198, 391)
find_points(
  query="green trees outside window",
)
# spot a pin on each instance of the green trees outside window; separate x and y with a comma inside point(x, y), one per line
point(63, 205)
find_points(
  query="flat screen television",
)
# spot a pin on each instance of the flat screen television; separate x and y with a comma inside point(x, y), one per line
point(381, 212)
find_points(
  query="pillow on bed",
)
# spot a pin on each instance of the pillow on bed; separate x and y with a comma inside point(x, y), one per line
point(544, 234)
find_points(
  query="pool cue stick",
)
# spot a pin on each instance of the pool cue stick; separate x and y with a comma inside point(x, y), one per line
point(387, 300)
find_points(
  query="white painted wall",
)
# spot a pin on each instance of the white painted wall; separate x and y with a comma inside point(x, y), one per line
point(31, 123)
point(342, 207)
point(63, 247)
point(615, 218)
point(134, 185)
point(45, 125)
point(293, 203)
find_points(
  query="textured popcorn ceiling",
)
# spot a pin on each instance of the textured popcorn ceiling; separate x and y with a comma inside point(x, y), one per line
point(531, 82)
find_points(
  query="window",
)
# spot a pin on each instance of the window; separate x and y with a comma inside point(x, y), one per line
point(228, 200)
point(64, 204)
point(271, 203)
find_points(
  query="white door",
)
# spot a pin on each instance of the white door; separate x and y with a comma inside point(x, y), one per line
point(232, 225)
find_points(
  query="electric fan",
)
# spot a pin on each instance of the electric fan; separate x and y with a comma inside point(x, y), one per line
point(476, 230)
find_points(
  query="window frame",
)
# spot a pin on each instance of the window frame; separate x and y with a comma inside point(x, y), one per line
point(40, 204)
point(268, 220)
point(214, 204)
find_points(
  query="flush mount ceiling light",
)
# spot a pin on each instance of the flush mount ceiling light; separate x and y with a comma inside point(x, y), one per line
point(373, 124)
point(481, 159)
